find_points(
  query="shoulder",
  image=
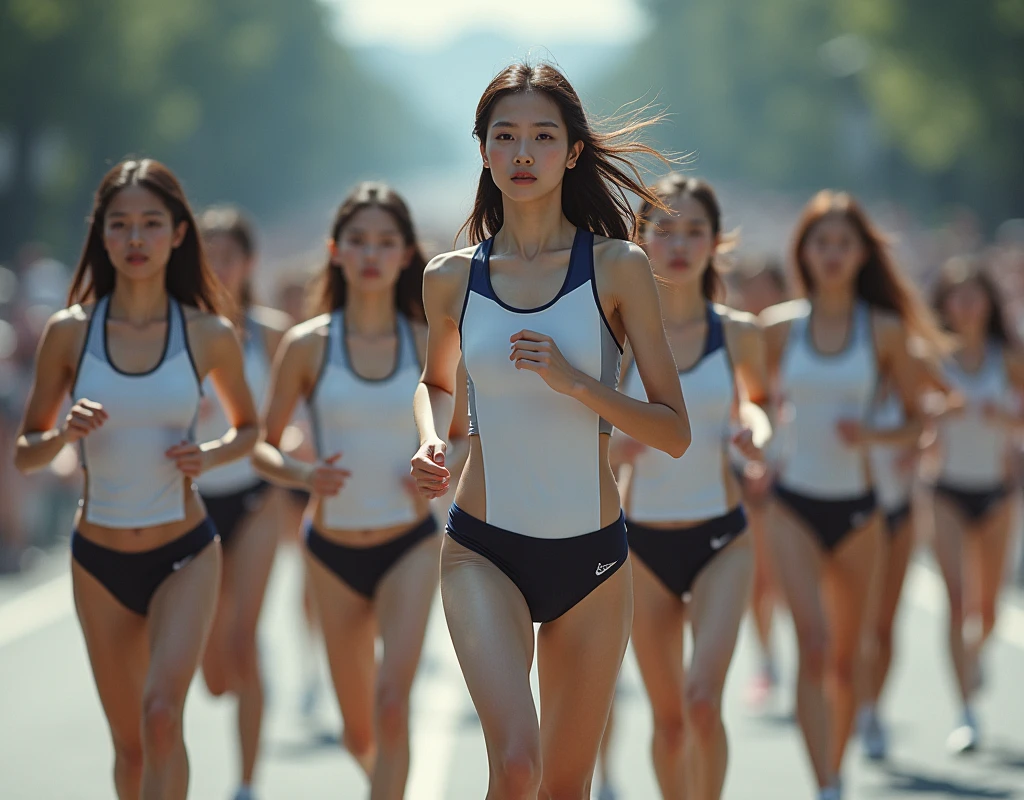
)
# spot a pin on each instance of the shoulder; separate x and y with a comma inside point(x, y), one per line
point(270, 320)
point(449, 268)
point(739, 323)
point(782, 314)
point(308, 333)
point(66, 329)
point(618, 258)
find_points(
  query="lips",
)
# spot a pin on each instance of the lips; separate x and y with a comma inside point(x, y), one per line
point(678, 263)
point(136, 259)
point(369, 272)
point(523, 178)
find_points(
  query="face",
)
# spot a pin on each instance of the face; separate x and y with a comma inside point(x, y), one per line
point(834, 253)
point(680, 244)
point(527, 147)
point(371, 250)
point(229, 261)
point(139, 233)
point(967, 308)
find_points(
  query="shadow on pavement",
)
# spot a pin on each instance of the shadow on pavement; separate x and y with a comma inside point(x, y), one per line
point(917, 782)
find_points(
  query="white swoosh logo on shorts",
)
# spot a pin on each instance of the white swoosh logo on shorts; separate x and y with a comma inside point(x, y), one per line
point(720, 541)
point(603, 568)
point(179, 564)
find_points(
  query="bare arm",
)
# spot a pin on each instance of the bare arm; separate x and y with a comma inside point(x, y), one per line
point(660, 422)
point(434, 404)
point(745, 341)
point(40, 437)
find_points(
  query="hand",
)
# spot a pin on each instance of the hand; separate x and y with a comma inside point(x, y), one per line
point(852, 432)
point(539, 353)
point(624, 449)
point(188, 458)
point(743, 440)
point(324, 479)
point(428, 470)
point(84, 417)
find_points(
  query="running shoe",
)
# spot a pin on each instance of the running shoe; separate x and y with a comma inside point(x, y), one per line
point(872, 735)
point(964, 738)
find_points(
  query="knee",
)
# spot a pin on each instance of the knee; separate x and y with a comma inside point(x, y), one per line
point(358, 742)
point(392, 706)
point(988, 616)
point(842, 669)
point(813, 652)
point(161, 721)
point(215, 677)
point(703, 710)
point(128, 757)
point(245, 657)
point(517, 774)
point(669, 732)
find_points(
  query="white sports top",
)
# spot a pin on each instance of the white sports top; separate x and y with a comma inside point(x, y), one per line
point(974, 448)
point(130, 483)
point(892, 485)
point(540, 448)
point(240, 474)
point(820, 390)
point(666, 489)
point(370, 423)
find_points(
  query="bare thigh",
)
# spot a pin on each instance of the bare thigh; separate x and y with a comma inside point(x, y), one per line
point(578, 660)
point(115, 639)
point(658, 620)
point(798, 564)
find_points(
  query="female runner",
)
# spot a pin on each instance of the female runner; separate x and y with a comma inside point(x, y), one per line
point(973, 499)
point(826, 354)
point(539, 310)
point(140, 336)
point(684, 515)
point(236, 497)
point(372, 552)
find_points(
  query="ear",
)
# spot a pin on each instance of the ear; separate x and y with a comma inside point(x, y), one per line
point(332, 251)
point(180, 232)
point(574, 155)
point(483, 155)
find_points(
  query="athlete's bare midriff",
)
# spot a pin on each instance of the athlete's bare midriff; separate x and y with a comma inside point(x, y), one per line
point(368, 537)
point(471, 494)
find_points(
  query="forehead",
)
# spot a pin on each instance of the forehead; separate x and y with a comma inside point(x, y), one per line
point(683, 208)
point(372, 219)
point(526, 108)
point(137, 200)
point(833, 224)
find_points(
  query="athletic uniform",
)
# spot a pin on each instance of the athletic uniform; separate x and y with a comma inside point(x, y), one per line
point(540, 449)
point(822, 480)
point(232, 491)
point(691, 488)
point(973, 474)
point(370, 422)
point(130, 483)
point(892, 485)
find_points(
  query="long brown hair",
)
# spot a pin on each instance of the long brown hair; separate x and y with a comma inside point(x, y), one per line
point(188, 277)
point(879, 283)
point(594, 192)
point(230, 221)
point(677, 185)
point(960, 270)
point(331, 289)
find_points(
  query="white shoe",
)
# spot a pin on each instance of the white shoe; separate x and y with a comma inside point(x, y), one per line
point(873, 736)
point(964, 738)
point(830, 793)
point(607, 792)
point(244, 793)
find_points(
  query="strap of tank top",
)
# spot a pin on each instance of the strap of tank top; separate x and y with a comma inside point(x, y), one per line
point(335, 342)
point(176, 328)
point(715, 338)
point(407, 352)
point(94, 336)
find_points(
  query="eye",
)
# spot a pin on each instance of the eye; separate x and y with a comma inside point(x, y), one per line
point(116, 226)
point(545, 136)
point(662, 233)
point(504, 137)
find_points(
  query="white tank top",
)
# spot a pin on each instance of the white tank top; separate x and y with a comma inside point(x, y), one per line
point(130, 482)
point(666, 489)
point(820, 390)
point(540, 448)
point(370, 423)
point(240, 474)
point(974, 449)
point(892, 485)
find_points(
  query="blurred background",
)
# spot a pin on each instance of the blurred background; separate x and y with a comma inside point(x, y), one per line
point(280, 105)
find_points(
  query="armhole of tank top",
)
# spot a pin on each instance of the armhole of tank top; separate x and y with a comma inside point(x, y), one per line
point(597, 296)
point(869, 323)
point(81, 355)
point(325, 358)
point(469, 286)
point(728, 356)
point(188, 344)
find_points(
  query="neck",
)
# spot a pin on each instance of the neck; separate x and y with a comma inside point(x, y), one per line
point(834, 302)
point(973, 342)
point(681, 303)
point(532, 228)
point(371, 313)
point(139, 302)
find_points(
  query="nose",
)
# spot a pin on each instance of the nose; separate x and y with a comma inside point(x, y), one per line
point(135, 234)
point(523, 157)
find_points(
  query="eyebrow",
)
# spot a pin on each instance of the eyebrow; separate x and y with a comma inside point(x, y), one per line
point(155, 212)
point(502, 123)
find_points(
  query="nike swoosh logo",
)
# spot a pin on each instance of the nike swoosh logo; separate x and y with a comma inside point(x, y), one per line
point(603, 568)
point(719, 542)
point(179, 564)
